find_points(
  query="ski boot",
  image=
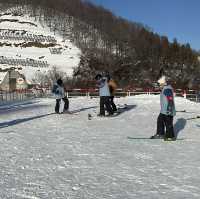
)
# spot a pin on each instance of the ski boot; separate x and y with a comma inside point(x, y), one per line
point(170, 139)
point(157, 136)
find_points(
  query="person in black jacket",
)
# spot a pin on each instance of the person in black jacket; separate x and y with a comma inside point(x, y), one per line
point(112, 87)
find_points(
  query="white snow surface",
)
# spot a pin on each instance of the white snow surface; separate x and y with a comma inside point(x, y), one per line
point(66, 156)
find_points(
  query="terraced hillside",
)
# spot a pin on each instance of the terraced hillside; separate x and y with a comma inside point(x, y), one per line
point(31, 48)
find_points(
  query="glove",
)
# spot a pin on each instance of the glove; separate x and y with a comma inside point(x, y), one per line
point(169, 113)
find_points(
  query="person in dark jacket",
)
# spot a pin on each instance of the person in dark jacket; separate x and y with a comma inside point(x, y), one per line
point(112, 87)
point(165, 119)
point(104, 93)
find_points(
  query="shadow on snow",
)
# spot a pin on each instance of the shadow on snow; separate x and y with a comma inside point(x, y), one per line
point(16, 108)
point(18, 121)
point(179, 126)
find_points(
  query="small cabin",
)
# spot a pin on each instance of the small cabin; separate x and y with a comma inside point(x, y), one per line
point(12, 80)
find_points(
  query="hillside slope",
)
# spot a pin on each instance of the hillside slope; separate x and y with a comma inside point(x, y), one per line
point(30, 47)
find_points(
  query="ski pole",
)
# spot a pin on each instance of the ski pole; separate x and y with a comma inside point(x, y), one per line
point(192, 118)
point(184, 111)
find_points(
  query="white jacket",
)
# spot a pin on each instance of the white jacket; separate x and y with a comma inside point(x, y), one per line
point(103, 87)
point(60, 92)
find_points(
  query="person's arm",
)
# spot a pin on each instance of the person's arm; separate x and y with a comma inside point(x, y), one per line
point(63, 91)
point(60, 91)
point(101, 83)
point(112, 84)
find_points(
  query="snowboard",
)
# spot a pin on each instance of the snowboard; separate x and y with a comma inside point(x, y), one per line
point(115, 114)
point(92, 116)
point(122, 106)
point(120, 109)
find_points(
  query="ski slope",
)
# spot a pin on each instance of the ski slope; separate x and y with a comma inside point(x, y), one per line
point(67, 156)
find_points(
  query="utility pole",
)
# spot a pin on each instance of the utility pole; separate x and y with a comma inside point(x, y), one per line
point(9, 80)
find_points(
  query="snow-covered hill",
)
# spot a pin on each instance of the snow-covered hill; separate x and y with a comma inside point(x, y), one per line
point(44, 155)
point(31, 47)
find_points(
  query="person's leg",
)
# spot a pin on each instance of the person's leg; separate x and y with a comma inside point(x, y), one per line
point(66, 101)
point(169, 127)
point(108, 105)
point(114, 108)
point(102, 109)
point(160, 125)
point(57, 107)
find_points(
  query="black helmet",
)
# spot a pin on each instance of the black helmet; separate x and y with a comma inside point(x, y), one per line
point(108, 77)
point(60, 82)
point(98, 77)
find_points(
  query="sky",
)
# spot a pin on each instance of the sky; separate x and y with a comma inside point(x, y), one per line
point(178, 19)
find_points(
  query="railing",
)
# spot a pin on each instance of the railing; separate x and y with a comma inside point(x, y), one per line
point(190, 94)
point(22, 95)
point(6, 96)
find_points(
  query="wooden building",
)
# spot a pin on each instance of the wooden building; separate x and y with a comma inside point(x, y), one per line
point(12, 80)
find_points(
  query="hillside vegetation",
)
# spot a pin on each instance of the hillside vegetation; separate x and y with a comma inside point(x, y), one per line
point(131, 52)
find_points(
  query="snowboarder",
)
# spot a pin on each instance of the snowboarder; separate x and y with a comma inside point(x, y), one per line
point(112, 87)
point(167, 112)
point(104, 93)
point(58, 91)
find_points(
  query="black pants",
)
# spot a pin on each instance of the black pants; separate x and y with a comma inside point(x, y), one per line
point(66, 105)
point(57, 107)
point(114, 108)
point(105, 102)
point(165, 122)
point(66, 101)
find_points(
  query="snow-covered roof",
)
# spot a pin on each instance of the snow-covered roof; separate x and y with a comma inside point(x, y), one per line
point(2, 76)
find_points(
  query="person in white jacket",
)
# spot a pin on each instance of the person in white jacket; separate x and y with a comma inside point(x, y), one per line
point(104, 93)
point(59, 92)
point(165, 119)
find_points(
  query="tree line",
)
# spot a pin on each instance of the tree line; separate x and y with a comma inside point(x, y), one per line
point(131, 52)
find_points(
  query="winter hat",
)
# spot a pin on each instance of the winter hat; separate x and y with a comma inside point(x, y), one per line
point(98, 77)
point(162, 80)
point(108, 77)
point(59, 82)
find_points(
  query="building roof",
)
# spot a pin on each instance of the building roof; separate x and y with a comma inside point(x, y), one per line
point(2, 76)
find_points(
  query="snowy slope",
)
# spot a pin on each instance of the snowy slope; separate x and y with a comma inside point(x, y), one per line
point(44, 155)
point(17, 31)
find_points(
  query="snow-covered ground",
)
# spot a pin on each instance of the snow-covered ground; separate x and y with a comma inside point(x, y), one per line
point(48, 156)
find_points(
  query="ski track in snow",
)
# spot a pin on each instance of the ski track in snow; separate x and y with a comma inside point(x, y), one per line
point(50, 156)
